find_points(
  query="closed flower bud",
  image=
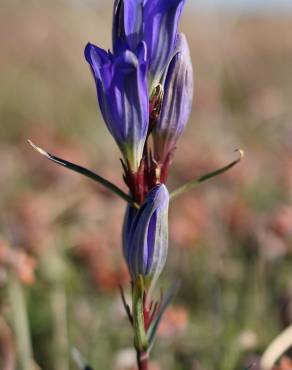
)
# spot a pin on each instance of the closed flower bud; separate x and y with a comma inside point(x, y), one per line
point(145, 235)
point(176, 104)
point(121, 82)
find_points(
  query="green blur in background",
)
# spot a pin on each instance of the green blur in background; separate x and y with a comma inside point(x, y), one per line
point(230, 240)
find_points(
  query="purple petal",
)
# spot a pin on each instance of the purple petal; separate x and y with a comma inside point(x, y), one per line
point(127, 23)
point(148, 253)
point(122, 90)
point(129, 218)
point(99, 62)
point(147, 240)
point(161, 19)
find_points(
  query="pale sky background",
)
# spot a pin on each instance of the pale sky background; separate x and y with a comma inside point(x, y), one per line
point(245, 5)
point(261, 6)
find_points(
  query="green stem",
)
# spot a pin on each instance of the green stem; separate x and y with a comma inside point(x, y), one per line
point(84, 171)
point(194, 183)
point(20, 323)
point(140, 337)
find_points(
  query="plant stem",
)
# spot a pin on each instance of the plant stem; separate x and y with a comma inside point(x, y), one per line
point(194, 183)
point(142, 360)
point(84, 171)
point(20, 323)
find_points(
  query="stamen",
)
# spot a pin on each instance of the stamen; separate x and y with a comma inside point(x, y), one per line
point(155, 105)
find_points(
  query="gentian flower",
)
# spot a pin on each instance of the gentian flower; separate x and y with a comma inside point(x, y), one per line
point(121, 82)
point(145, 235)
point(161, 19)
point(155, 22)
point(127, 23)
point(176, 104)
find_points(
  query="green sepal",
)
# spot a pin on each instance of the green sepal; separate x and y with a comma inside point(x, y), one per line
point(140, 337)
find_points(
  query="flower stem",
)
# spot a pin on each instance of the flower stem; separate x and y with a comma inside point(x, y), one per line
point(194, 183)
point(84, 171)
point(142, 360)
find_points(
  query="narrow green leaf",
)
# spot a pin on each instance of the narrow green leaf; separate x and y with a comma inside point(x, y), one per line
point(84, 171)
point(194, 183)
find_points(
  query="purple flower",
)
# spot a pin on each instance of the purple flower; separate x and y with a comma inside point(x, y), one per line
point(127, 23)
point(161, 19)
point(176, 104)
point(155, 22)
point(121, 82)
point(145, 235)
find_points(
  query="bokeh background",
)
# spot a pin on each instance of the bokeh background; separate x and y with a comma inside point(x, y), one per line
point(230, 239)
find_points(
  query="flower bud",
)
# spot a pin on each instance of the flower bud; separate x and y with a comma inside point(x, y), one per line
point(145, 235)
point(176, 104)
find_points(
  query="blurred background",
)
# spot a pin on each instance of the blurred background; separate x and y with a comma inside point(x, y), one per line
point(230, 239)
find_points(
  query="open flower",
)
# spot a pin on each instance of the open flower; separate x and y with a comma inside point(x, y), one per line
point(161, 19)
point(155, 22)
point(176, 104)
point(127, 23)
point(145, 236)
point(121, 82)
